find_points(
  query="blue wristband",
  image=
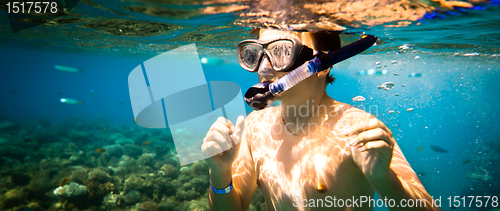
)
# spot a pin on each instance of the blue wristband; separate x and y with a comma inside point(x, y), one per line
point(222, 191)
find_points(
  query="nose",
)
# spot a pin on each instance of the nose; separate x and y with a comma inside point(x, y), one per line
point(265, 67)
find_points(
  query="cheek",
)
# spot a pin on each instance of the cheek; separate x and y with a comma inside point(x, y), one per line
point(281, 74)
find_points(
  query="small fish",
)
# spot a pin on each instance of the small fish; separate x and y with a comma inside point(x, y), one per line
point(438, 149)
point(386, 86)
point(146, 143)
point(396, 94)
point(70, 101)
point(466, 161)
point(100, 150)
point(377, 63)
point(212, 61)
point(397, 74)
point(421, 174)
point(394, 61)
point(403, 85)
point(68, 69)
point(29, 140)
point(391, 112)
point(409, 109)
point(359, 98)
point(65, 181)
point(416, 57)
point(420, 149)
point(414, 75)
point(372, 71)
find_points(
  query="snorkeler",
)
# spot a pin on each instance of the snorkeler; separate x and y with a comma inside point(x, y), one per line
point(311, 151)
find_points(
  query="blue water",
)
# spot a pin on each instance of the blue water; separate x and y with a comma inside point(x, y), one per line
point(455, 101)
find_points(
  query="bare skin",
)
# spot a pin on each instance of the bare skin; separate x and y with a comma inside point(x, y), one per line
point(327, 148)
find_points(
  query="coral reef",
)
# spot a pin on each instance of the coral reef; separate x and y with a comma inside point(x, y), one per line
point(57, 168)
point(70, 190)
point(124, 141)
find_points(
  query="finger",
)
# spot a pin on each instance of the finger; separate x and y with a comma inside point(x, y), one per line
point(371, 135)
point(378, 144)
point(222, 129)
point(365, 125)
point(238, 130)
point(218, 138)
point(225, 122)
point(210, 149)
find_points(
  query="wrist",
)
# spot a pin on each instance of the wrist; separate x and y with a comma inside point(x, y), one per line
point(220, 178)
point(381, 177)
point(225, 190)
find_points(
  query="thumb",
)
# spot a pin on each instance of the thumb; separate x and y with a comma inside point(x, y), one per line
point(238, 131)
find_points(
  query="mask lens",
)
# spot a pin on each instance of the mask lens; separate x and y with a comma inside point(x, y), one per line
point(250, 54)
point(281, 53)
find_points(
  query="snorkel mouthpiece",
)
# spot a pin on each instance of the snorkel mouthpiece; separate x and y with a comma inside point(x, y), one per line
point(258, 96)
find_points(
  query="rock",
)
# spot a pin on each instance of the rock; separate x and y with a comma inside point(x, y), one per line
point(70, 190)
point(148, 206)
point(167, 205)
point(114, 150)
point(132, 150)
point(99, 176)
point(169, 171)
point(115, 136)
point(132, 197)
point(111, 200)
point(147, 158)
point(200, 168)
point(12, 198)
point(124, 141)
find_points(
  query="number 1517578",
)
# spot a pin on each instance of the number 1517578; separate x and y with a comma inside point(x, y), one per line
point(28, 7)
point(473, 201)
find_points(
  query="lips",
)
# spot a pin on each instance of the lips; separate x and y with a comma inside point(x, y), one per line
point(267, 78)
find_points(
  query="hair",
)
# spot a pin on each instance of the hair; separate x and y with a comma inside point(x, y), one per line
point(330, 79)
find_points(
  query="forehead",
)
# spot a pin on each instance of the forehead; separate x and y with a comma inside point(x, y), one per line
point(269, 34)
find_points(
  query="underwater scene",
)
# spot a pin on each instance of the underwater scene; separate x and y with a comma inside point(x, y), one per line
point(70, 140)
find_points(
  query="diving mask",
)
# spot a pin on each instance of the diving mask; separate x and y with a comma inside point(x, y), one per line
point(259, 95)
point(284, 54)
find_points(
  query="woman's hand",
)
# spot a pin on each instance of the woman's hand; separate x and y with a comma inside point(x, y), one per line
point(372, 147)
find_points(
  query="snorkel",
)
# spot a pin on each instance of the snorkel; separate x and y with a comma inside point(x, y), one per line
point(258, 96)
